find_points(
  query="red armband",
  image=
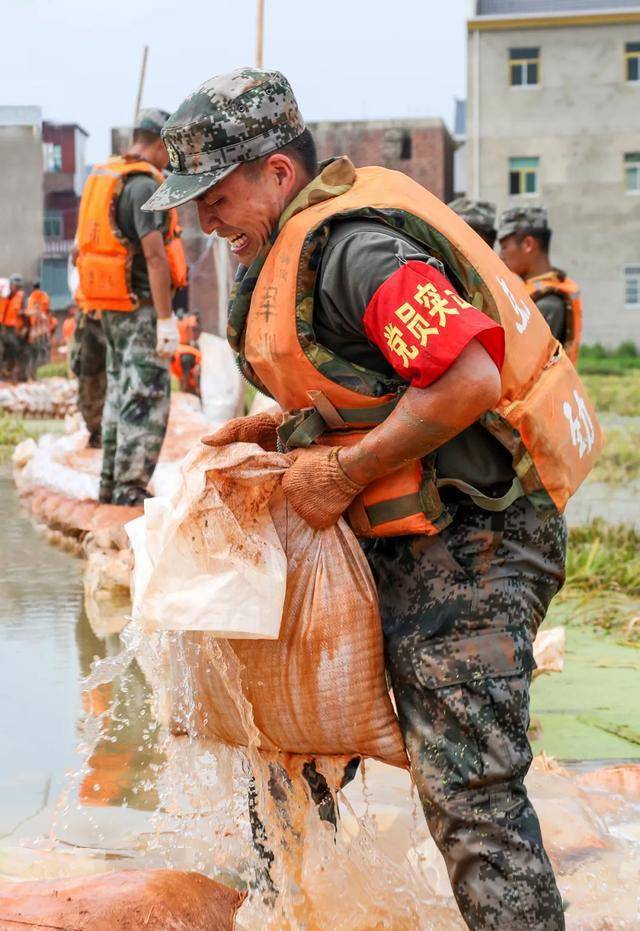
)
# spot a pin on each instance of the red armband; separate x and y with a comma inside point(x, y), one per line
point(421, 324)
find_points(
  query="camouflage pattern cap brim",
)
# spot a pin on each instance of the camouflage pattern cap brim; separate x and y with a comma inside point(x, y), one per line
point(181, 188)
point(230, 119)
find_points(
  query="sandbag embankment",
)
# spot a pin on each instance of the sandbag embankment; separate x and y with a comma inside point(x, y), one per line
point(320, 687)
point(51, 397)
point(153, 900)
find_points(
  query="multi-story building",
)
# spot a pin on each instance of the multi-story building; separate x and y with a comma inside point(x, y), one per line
point(421, 148)
point(553, 118)
point(64, 147)
point(21, 233)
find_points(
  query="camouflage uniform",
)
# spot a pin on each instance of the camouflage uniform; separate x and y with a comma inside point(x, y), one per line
point(88, 364)
point(459, 609)
point(479, 214)
point(136, 409)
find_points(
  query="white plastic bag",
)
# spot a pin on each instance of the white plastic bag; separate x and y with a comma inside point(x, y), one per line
point(209, 557)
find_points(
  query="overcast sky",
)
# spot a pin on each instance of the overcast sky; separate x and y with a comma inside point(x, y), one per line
point(346, 59)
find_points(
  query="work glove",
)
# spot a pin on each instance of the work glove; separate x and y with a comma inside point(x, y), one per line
point(167, 336)
point(258, 428)
point(317, 486)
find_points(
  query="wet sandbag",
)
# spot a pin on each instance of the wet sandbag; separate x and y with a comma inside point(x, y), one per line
point(320, 688)
point(153, 900)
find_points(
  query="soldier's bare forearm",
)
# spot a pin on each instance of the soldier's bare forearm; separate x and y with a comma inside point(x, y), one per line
point(426, 418)
point(160, 283)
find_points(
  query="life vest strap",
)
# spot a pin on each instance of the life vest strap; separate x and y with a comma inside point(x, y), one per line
point(394, 509)
point(302, 428)
point(483, 501)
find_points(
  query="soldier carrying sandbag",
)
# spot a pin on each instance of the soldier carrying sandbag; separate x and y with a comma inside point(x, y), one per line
point(397, 344)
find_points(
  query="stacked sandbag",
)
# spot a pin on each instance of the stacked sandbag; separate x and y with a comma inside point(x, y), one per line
point(319, 688)
point(153, 900)
point(50, 398)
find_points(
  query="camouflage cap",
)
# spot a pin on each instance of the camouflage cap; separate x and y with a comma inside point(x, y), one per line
point(479, 214)
point(522, 219)
point(231, 119)
point(151, 120)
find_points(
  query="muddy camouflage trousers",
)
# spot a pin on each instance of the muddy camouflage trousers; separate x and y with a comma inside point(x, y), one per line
point(88, 363)
point(136, 409)
point(460, 611)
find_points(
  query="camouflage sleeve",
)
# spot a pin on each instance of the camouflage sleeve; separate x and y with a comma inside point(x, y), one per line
point(553, 310)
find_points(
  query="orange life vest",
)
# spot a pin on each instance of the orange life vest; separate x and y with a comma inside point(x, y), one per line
point(556, 282)
point(187, 328)
point(37, 315)
point(13, 311)
point(68, 328)
point(105, 256)
point(544, 416)
point(176, 365)
point(4, 302)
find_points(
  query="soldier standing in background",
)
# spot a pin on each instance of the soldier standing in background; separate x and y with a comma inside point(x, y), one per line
point(88, 362)
point(525, 236)
point(13, 324)
point(480, 215)
point(129, 263)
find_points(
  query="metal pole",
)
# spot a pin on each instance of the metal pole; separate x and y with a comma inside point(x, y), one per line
point(260, 34)
point(143, 71)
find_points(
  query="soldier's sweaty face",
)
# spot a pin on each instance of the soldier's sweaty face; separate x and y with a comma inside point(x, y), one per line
point(245, 206)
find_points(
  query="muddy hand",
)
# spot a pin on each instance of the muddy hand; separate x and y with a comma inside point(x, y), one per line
point(259, 428)
point(317, 486)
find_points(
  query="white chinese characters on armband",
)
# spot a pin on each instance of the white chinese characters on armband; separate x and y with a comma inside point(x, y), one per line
point(520, 308)
point(580, 424)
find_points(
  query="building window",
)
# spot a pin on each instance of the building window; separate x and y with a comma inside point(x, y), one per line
point(524, 67)
point(523, 175)
point(632, 172)
point(52, 157)
point(632, 286)
point(53, 228)
point(632, 62)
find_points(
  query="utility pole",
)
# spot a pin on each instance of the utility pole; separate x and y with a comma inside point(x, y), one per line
point(260, 34)
point(143, 71)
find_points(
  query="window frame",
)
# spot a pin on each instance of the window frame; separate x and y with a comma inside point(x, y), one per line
point(630, 54)
point(631, 272)
point(53, 216)
point(631, 165)
point(522, 174)
point(523, 64)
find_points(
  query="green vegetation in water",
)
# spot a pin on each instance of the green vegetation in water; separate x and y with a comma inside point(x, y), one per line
point(619, 462)
point(12, 430)
point(603, 580)
point(53, 370)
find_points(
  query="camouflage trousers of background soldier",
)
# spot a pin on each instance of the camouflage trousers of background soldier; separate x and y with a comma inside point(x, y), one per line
point(88, 362)
point(460, 611)
point(136, 410)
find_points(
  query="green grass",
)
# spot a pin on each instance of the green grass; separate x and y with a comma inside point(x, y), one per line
point(53, 370)
point(596, 360)
point(615, 394)
point(12, 430)
point(619, 462)
point(603, 580)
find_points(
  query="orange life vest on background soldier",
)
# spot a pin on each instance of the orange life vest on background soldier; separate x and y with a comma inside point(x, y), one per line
point(104, 255)
point(13, 312)
point(525, 236)
point(557, 282)
point(544, 417)
point(189, 378)
point(38, 316)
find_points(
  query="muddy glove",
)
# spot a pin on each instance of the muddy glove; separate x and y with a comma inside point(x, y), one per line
point(317, 486)
point(258, 428)
point(167, 336)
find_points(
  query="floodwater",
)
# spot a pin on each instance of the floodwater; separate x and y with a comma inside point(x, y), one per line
point(88, 785)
